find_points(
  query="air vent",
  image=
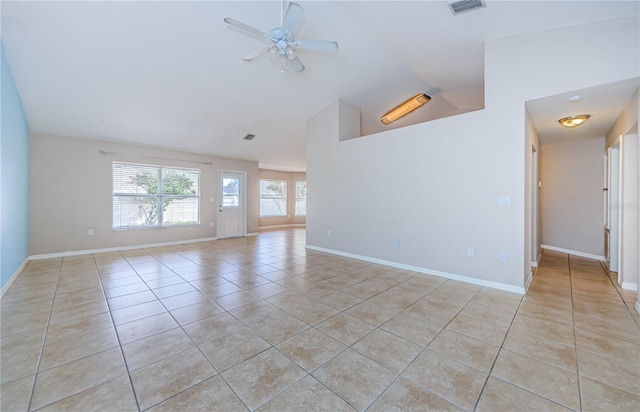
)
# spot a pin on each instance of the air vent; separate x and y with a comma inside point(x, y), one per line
point(249, 137)
point(465, 6)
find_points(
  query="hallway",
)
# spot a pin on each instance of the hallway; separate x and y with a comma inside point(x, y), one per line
point(263, 323)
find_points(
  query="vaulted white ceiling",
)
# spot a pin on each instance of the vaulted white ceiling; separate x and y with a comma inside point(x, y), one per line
point(169, 74)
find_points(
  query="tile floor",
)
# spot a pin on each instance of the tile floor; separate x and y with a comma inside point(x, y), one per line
point(262, 323)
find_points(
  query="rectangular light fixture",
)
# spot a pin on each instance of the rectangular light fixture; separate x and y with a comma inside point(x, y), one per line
point(405, 108)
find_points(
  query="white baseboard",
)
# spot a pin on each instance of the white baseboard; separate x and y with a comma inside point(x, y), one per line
point(534, 263)
point(117, 249)
point(629, 286)
point(13, 277)
point(527, 282)
point(281, 226)
point(480, 282)
point(252, 234)
point(573, 252)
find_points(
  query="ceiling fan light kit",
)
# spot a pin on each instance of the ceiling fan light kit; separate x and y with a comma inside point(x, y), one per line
point(574, 121)
point(283, 41)
point(405, 108)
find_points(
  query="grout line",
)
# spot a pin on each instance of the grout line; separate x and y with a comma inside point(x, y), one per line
point(44, 340)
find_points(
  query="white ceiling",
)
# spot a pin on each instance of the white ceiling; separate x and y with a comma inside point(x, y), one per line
point(169, 74)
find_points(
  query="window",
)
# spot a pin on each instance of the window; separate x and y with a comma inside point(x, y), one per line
point(154, 196)
point(273, 198)
point(230, 192)
point(301, 198)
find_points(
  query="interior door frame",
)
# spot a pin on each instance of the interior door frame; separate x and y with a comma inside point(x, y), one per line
point(243, 201)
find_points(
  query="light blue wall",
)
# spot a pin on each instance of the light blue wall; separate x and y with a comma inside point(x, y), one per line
point(14, 177)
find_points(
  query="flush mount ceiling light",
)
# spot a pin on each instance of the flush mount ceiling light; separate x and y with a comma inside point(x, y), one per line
point(405, 108)
point(574, 121)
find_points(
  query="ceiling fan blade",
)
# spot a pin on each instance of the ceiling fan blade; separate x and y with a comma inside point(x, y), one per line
point(296, 64)
point(316, 45)
point(293, 18)
point(252, 56)
point(247, 28)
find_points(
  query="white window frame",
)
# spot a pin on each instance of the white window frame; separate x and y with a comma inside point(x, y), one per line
point(160, 196)
point(265, 197)
point(300, 198)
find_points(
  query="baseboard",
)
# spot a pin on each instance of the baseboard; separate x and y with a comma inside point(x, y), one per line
point(629, 286)
point(534, 263)
point(281, 226)
point(252, 234)
point(637, 306)
point(117, 249)
point(13, 277)
point(573, 252)
point(527, 282)
point(480, 282)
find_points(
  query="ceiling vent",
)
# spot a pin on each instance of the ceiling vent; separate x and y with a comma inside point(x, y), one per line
point(465, 6)
point(249, 137)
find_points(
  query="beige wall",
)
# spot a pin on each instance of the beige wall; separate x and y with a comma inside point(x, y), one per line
point(571, 195)
point(71, 192)
point(435, 186)
point(291, 178)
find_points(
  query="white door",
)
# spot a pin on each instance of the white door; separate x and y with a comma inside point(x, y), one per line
point(231, 204)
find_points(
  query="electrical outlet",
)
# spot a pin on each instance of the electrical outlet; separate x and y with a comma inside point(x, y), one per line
point(502, 256)
point(211, 224)
point(90, 232)
point(328, 233)
point(470, 251)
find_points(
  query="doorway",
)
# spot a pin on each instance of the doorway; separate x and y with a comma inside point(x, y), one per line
point(232, 204)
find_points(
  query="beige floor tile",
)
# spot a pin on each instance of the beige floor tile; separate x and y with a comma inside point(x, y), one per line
point(451, 380)
point(545, 329)
point(125, 290)
point(387, 349)
point(471, 352)
point(173, 290)
point(355, 378)
point(213, 327)
point(78, 327)
point(597, 396)
point(235, 300)
point(166, 378)
point(59, 353)
point(267, 290)
point(198, 311)
point(22, 322)
point(185, 299)
point(499, 395)
point(311, 349)
point(232, 349)
point(255, 311)
point(114, 395)
point(15, 395)
point(458, 290)
point(131, 313)
point(396, 298)
point(345, 328)
point(444, 301)
point(498, 299)
point(164, 282)
point(262, 377)
point(131, 300)
point(312, 312)
point(211, 395)
point(371, 313)
point(278, 327)
point(613, 348)
point(626, 330)
point(485, 328)
point(19, 355)
point(551, 382)
point(430, 312)
point(308, 394)
point(144, 352)
point(74, 377)
point(403, 395)
point(547, 312)
point(412, 329)
point(143, 328)
point(557, 354)
point(621, 375)
point(339, 300)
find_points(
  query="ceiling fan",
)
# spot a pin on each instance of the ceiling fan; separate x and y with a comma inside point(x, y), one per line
point(282, 39)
